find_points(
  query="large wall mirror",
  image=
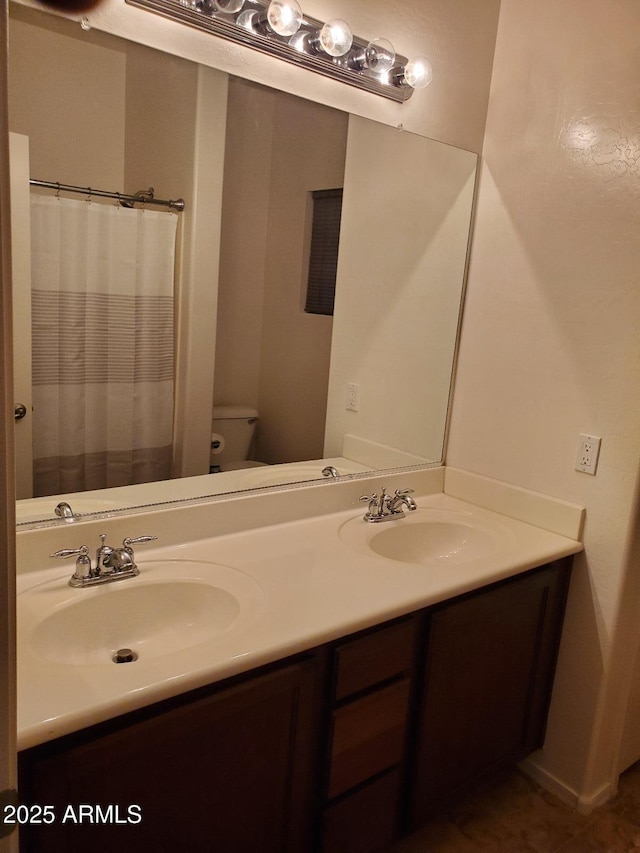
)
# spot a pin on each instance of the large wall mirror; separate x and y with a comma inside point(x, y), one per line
point(363, 388)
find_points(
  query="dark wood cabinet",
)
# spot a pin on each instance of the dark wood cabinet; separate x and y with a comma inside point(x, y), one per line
point(490, 659)
point(228, 771)
point(366, 820)
point(340, 750)
point(369, 710)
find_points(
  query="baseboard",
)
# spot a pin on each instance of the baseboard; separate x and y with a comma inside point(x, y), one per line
point(582, 803)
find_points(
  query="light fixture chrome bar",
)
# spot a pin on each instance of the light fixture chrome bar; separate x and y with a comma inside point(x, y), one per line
point(195, 14)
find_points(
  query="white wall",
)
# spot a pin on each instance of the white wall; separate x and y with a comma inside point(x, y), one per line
point(403, 241)
point(550, 345)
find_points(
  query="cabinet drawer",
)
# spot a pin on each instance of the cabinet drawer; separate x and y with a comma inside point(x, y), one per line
point(368, 736)
point(374, 658)
point(365, 821)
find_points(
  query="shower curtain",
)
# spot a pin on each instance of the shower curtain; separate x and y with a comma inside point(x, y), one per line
point(102, 326)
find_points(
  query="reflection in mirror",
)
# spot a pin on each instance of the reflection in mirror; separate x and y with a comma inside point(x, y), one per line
point(366, 388)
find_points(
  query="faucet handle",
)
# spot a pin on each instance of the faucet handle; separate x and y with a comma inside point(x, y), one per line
point(400, 493)
point(64, 553)
point(373, 497)
point(83, 568)
point(128, 542)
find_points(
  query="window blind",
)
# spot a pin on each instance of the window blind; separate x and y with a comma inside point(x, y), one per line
point(323, 253)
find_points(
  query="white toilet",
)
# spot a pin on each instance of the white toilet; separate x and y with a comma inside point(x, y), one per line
point(232, 433)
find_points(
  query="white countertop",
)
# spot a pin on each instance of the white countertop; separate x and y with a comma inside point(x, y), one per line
point(309, 584)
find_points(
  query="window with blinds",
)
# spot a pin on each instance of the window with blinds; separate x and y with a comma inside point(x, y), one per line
point(323, 254)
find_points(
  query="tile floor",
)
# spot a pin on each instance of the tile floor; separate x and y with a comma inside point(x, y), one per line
point(515, 815)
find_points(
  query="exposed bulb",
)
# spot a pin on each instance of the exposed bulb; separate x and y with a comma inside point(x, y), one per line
point(379, 55)
point(228, 6)
point(418, 73)
point(335, 37)
point(284, 17)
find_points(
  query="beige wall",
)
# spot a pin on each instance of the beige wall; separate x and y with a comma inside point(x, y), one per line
point(130, 122)
point(160, 114)
point(550, 345)
point(307, 154)
point(74, 140)
point(197, 279)
point(244, 236)
point(458, 35)
point(270, 354)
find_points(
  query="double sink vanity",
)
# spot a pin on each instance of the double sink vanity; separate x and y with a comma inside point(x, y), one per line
point(282, 675)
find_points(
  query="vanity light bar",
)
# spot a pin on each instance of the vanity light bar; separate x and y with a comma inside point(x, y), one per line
point(279, 28)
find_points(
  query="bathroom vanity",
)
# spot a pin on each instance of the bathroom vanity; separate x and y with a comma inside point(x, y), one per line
point(364, 693)
point(339, 749)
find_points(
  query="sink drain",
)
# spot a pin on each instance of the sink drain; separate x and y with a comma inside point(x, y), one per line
point(125, 656)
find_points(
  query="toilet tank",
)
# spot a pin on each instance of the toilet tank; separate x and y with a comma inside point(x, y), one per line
point(236, 426)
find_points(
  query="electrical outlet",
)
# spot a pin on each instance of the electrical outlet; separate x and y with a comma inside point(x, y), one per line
point(588, 451)
point(353, 397)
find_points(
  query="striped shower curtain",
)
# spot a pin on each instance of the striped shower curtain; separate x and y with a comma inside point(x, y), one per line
point(102, 326)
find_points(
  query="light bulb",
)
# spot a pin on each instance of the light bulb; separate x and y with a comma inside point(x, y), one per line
point(418, 73)
point(284, 17)
point(379, 55)
point(335, 38)
point(228, 6)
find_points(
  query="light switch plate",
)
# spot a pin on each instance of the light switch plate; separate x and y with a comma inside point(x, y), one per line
point(353, 397)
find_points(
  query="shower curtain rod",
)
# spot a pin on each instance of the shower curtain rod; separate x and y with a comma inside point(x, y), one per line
point(142, 197)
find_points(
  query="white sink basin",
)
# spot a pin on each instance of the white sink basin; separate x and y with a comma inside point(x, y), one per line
point(173, 605)
point(428, 540)
point(424, 536)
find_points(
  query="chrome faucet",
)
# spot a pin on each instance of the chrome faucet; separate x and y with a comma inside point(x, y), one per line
point(386, 507)
point(330, 471)
point(63, 510)
point(402, 498)
point(112, 564)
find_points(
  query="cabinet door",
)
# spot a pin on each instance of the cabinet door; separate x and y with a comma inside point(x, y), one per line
point(489, 668)
point(228, 772)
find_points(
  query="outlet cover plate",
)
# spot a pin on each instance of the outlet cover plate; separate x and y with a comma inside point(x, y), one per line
point(588, 452)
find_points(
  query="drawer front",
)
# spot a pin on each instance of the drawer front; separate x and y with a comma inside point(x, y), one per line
point(374, 658)
point(364, 821)
point(368, 736)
